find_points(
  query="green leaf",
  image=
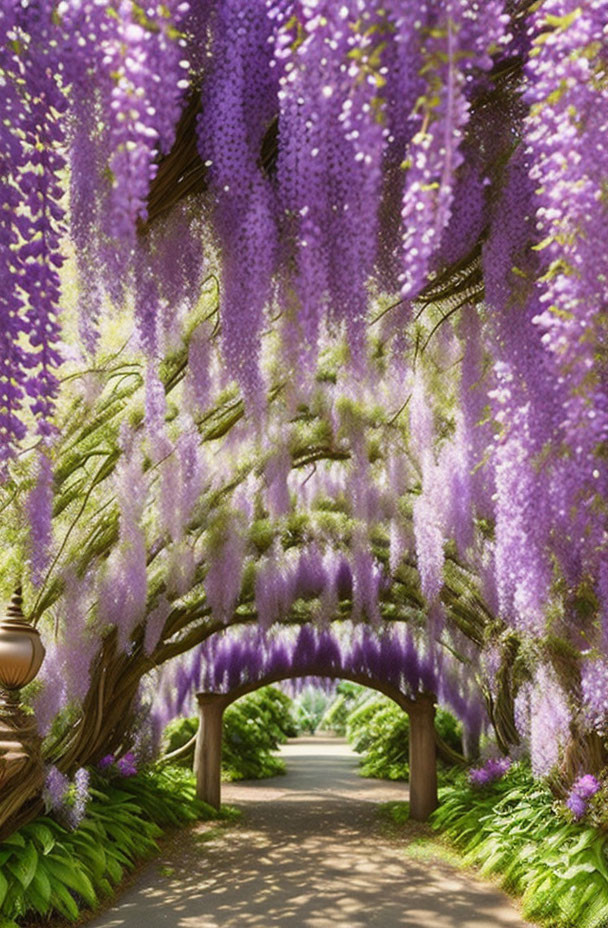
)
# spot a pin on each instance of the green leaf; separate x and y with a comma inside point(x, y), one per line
point(73, 877)
point(3, 888)
point(105, 887)
point(15, 840)
point(114, 869)
point(23, 865)
point(91, 852)
point(564, 21)
point(64, 902)
point(41, 886)
point(43, 836)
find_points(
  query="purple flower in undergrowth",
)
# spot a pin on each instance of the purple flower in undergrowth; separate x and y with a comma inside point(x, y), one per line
point(577, 805)
point(76, 811)
point(126, 765)
point(493, 769)
point(65, 798)
point(587, 786)
point(581, 793)
point(106, 762)
point(56, 788)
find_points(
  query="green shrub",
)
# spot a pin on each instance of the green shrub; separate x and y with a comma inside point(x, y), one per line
point(359, 721)
point(380, 730)
point(449, 729)
point(278, 709)
point(511, 829)
point(348, 697)
point(309, 707)
point(254, 726)
point(386, 756)
point(47, 870)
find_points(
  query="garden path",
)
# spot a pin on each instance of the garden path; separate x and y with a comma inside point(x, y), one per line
point(309, 852)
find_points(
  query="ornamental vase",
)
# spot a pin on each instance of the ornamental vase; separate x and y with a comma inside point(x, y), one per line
point(21, 650)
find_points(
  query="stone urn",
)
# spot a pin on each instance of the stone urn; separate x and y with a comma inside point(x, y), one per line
point(21, 651)
point(21, 655)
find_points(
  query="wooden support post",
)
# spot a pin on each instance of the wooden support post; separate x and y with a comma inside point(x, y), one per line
point(423, 758)
point(208, 750)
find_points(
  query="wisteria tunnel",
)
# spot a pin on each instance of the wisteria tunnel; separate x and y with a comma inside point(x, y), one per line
point(386, 660)
point(303, 373)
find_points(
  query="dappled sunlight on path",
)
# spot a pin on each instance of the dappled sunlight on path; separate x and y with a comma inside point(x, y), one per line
point(309, 852)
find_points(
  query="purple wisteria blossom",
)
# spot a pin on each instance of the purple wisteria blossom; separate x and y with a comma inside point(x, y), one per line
point(56, 787)
point(383, 653)
point(106, 762)
point(594, 684)
point(494, 769)
point(127, 765)
point(67, 799)
point(77, 810)
point(582, 791)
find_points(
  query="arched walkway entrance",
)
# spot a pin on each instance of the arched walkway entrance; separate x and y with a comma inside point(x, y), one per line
point(422, 748)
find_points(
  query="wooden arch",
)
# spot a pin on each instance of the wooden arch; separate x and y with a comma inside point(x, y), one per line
point(422, 747)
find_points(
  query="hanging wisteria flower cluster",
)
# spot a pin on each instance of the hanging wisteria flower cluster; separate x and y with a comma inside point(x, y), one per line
point(352, 249)
point(494, 769)
point(335, 141)
point(391, 656)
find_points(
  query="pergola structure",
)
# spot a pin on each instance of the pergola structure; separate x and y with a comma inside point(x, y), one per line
point(422, 747)
point(357, 245)
point(387, 658)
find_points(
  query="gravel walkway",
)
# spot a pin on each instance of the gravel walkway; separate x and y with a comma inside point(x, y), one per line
point(309, 852)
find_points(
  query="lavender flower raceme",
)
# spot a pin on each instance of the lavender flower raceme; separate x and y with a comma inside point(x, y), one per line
point(460, 37)
point(126, 765)
point(56, 786)
point(594, 682)
point(582, 791)
point(40, 505)
point(494, 769)
point(106, 762)
point(78, 808)
point(66, 799)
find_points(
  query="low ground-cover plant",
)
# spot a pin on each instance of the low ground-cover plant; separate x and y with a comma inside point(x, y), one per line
point(513, 827)
point(46, 868)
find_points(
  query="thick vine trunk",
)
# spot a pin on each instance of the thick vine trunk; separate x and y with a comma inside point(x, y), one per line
point(106, 717)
